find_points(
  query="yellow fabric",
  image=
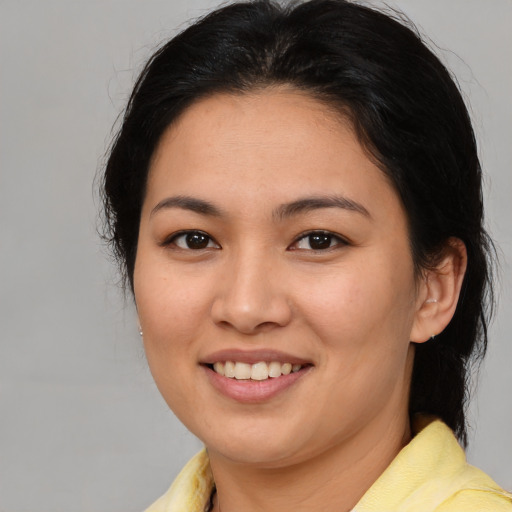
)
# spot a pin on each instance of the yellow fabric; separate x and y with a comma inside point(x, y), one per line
point(430, 474)
point(191, 490)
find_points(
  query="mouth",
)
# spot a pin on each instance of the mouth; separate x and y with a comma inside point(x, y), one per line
point(259, 371)
point(254, 376)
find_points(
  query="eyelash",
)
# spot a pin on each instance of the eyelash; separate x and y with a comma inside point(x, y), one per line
point(338, 241)
point(171, 240)
point(211, 243)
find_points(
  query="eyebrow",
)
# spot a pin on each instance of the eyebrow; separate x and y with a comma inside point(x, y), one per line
point(188, 203)
point(315, 203)
point(282, 212)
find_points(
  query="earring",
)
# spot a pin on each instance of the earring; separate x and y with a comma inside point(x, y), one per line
point(431, 301)
point(140, 331)
point(432, 336)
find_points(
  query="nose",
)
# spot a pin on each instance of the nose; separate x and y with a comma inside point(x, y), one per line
point(252, 297)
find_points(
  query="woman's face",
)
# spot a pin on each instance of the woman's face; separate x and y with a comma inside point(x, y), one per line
point(269, 240)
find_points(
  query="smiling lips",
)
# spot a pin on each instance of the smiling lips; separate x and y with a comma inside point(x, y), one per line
point(258, 371)
point(254, 376)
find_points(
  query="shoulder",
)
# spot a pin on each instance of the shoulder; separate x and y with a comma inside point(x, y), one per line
point(473, 490)
point(431, 474)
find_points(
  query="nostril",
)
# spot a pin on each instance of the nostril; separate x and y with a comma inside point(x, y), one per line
point(266, 326)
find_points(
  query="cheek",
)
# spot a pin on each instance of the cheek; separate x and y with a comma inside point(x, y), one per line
point(359, 306)
point(360, 319)
point(170, 305)
point(168, 300)
point(168, 313)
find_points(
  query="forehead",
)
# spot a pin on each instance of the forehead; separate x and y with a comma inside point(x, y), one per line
point(273, 118)
point(259, 145)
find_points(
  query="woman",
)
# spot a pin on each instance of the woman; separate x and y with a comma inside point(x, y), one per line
point(295, 200)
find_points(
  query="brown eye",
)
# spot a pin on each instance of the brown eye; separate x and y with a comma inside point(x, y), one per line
point(193, 240)
point(197, 241)
point(318, 241)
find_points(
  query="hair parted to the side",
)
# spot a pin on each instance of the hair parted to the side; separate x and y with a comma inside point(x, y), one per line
point(405, 108)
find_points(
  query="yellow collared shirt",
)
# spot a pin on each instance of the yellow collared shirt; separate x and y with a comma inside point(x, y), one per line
point(430, 474)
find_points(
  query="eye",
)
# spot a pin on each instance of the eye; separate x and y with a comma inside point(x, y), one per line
point(317, 241)
point(192, 240)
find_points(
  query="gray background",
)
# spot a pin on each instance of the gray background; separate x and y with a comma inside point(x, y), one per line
point(82, 427)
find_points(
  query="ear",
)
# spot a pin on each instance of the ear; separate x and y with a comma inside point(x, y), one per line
point(438, 292)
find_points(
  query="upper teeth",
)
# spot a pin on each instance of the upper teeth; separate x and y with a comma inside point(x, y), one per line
point(256, 371)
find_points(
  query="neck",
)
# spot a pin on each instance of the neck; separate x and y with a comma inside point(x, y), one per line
point(332, 481)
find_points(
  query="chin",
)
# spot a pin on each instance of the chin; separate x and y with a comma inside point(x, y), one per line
point(258, 446)
point(260, 456)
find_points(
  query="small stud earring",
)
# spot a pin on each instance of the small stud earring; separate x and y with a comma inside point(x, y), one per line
point(432, 336)
point(431, 301)
point(140, 331)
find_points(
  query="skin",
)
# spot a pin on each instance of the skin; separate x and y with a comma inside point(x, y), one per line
point(351, 310)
